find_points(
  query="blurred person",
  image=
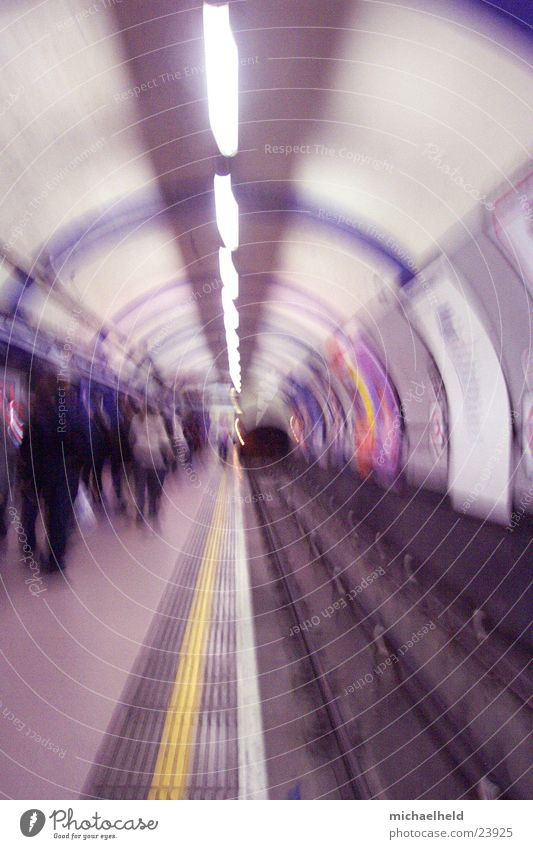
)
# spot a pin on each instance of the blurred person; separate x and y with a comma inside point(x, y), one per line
point(8, 455)
point(53, 451)
point(223, 441)
point(128, 409)
point(100, 449)
point(119, 448)
point(190, 432)
point(168, 417)
point(122, 458)
point(206, 419)
point(152, 454)
point(29, 488)
point(181, 448)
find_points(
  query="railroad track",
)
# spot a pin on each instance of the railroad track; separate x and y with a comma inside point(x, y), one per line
point(355, 785)
point(455, 756)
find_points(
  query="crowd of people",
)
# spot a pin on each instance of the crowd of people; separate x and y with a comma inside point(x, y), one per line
point(68, 440)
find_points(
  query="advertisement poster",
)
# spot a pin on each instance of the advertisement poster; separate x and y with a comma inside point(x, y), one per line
point(478, 402)
point(378, 421)
point(513, 228)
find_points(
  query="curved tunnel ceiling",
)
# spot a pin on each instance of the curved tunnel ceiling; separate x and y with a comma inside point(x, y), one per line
point(367, 131)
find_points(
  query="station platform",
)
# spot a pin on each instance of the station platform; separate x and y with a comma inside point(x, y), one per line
point(133, 674)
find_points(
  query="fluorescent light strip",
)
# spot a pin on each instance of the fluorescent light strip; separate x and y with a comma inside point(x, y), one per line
point(234, 359)
point(230, 322)
point(231, 312)
point(222, 73)
point(228, 272)
point(227, 212)
point(233, 353)
point(235, 371)
point(232, 340)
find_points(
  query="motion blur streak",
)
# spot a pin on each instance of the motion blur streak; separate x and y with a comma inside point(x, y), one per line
point(266, 455)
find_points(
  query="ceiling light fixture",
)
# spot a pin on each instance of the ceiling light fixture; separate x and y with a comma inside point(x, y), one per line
point(227, 212)
point(232, 340)
point(231, 313)
point(228, 273)
point(222, 73)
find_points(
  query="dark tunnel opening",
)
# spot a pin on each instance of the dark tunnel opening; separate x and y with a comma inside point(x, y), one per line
point(264, 446)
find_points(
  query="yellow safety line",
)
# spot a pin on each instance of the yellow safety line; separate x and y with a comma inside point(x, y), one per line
point(170, 778)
